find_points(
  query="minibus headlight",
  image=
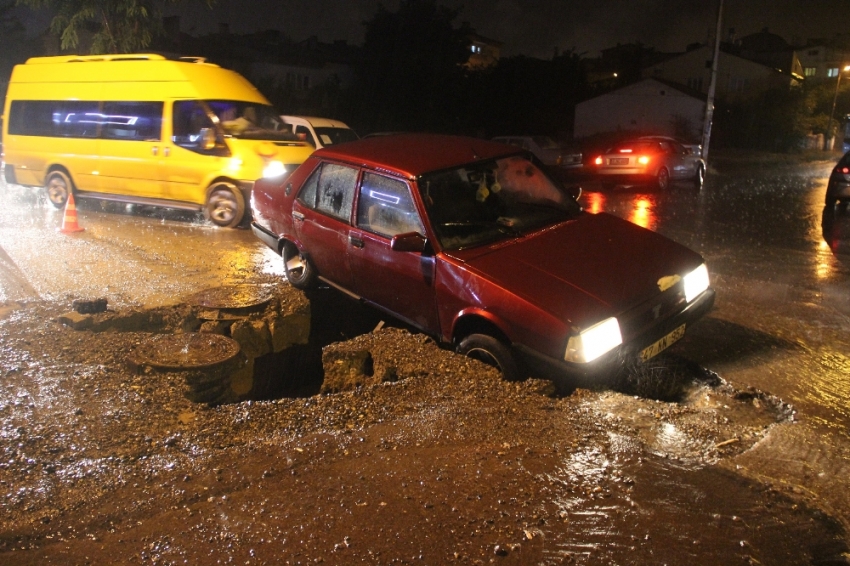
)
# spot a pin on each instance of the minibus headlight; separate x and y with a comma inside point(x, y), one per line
point(696, 282)
point(274, 169)
point(594, 342)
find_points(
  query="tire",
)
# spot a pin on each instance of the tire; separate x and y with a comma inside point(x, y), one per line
point(662, 179)
point(299, 271)
point(58, 187)
point(699, 178)
point(225, 205)
point(491, 351)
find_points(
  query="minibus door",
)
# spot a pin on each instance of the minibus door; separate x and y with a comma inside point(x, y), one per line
point(131, 149)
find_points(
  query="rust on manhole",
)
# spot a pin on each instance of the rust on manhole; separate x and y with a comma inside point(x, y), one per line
point(232, 297)
point(184, 351)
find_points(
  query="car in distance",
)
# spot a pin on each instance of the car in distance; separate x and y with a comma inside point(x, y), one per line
point(545, 149)
point(838, 187)
point(649, 161)
point(469, 241)
point(320, 132)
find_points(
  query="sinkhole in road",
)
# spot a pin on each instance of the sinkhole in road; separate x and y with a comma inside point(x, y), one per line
point(243, 342)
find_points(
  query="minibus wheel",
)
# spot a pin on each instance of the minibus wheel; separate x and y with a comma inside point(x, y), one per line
point(58, 187)
point(225, 205)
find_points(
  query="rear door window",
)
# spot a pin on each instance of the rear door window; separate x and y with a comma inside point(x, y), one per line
point(330, 189)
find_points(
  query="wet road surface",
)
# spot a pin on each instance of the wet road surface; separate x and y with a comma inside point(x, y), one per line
point(781, 268)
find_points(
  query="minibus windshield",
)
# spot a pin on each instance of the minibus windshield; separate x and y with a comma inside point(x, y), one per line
point(250, 120)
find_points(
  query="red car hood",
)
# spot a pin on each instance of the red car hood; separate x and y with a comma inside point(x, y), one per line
point(584, 270)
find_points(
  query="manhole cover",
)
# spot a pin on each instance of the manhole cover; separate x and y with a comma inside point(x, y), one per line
point(184, 351)
point(232, 297)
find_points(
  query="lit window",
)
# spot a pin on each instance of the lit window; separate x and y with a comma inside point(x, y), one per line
point(832, 72)
point(810, 71)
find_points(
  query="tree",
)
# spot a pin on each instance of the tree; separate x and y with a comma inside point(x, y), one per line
point(15, 47)
point(118, 26)
point(411, 71)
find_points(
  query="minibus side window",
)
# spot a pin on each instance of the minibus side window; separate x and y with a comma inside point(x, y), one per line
point(191, 127)
point(136, 121)
point(55, 118)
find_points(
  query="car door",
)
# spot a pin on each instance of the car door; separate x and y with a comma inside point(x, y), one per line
point(321, 217)
point(674, 155)
point(401, 282)
point(189, 157)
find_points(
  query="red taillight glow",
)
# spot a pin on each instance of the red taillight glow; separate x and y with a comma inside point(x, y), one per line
point(625, 150)
point(845, 170)
point(598, 160)
point(643, 159)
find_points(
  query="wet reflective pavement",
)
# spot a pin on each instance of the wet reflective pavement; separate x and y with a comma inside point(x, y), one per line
point(640, 486)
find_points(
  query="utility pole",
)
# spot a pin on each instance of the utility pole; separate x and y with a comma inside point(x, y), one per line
point(712, 85)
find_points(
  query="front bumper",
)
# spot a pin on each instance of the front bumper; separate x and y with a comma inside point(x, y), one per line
point(627, 352)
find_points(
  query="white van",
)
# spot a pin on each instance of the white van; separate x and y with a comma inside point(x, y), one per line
point(320, 132)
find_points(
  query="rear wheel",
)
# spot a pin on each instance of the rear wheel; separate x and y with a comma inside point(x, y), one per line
point(58, 187)
point(699, 178)
point(491, 351)
point(662, 179)
point(225, 205)
point(299, 271)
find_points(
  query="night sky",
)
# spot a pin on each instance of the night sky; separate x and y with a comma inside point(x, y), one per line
point(536, 27)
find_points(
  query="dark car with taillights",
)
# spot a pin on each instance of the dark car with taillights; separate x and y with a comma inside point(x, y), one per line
point(838, 187)
point(471, 242)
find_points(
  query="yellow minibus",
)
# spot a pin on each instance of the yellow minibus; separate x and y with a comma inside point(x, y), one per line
point(145, 129)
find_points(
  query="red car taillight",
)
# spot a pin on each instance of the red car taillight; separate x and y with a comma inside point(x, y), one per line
point(598, 160)
point(643, 159)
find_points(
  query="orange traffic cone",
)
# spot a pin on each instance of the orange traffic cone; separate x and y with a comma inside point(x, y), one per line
point(69, 222)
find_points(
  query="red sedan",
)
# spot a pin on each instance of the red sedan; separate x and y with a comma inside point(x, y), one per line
point(470, 242)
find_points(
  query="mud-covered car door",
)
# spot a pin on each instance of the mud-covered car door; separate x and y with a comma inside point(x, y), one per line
point(321, 217)
point(401, 282)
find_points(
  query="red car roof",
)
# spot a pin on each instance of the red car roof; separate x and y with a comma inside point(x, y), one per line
point(411, 155)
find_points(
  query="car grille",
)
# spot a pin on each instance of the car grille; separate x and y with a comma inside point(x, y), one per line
point(652, 312)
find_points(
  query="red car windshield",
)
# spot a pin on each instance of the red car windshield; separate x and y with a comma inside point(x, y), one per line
point(485, 202)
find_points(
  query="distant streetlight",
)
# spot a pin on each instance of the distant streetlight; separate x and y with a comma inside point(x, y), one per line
point(834, 100)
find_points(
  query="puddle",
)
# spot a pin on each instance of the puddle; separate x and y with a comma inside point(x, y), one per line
point(625, 508)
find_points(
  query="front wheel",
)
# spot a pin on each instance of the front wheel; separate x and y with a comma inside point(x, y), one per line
point(58, 187)
point(299, 271)
point(225, 205)
point(491, 351)
point(662, 179)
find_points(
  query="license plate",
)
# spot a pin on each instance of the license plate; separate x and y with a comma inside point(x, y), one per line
point(619, 161)
point(659, 346)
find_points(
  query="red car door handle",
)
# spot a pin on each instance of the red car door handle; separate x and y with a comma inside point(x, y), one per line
point(356, 242)
point(297, 216)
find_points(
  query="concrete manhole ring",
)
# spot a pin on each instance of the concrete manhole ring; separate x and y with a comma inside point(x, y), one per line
point(232, 297)
point(184, 351)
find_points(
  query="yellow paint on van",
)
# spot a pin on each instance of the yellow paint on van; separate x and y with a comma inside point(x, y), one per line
point(157, 167)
